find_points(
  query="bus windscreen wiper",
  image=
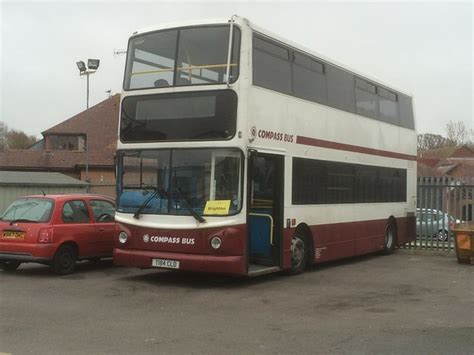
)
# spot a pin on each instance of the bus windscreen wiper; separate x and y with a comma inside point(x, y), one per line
point(157, 191)
point(187, 205)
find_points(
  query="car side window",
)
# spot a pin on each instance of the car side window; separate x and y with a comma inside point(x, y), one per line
point(75, 212)
point(103, 211)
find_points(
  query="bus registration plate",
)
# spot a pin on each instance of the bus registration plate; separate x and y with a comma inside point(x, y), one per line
point(168, 264)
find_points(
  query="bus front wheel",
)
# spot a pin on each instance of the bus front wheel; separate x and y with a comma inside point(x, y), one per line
point(299, 254)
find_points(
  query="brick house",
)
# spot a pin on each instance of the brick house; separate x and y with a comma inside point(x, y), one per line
point(63, 148)
point(455, 167)
point(455, 162)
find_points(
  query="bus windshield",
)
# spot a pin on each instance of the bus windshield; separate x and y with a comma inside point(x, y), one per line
point(197, 115)
point(182, 56)
point(185, 179)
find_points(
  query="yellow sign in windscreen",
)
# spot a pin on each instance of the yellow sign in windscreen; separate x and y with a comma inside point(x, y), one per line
point(217, 207)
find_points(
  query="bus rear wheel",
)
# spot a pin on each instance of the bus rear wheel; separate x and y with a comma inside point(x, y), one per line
point(299, 254)
point(390, 239)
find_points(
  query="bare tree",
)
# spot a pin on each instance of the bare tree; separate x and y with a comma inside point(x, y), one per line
point(457, 133)
point(14, 139)
point(427, 141)
point(3, 131)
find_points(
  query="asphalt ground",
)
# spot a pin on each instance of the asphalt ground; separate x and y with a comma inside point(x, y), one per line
point(405, 303)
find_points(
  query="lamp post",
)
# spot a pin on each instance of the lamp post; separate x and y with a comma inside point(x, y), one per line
point(92, 66)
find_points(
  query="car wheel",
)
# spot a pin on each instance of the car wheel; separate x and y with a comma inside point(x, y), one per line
point(390, 239)
point(442, 235)
point(64, 261)
point(299, 254)
point(9, 265)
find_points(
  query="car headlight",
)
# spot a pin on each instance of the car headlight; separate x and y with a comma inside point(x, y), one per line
point(123, 237)
point(216, 242)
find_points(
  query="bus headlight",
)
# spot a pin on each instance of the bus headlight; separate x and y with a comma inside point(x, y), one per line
point(216, 242)
point(123, 237)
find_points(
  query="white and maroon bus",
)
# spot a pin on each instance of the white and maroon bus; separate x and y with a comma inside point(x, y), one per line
point(243, 153)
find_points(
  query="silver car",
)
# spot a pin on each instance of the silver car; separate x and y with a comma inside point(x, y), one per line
point(434, 223)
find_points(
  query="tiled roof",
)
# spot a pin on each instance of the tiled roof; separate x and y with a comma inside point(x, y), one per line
point(463, 152)
point(53, 159)
point(426, 170)
point(100, 123)
point(447, 152)
point(446, 169)
point(462, 168)
point(466, 168)
point(428, 161)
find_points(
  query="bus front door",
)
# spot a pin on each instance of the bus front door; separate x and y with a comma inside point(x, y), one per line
point(265, 212)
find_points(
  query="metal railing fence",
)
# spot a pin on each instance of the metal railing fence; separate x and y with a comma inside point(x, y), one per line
point(441, 203)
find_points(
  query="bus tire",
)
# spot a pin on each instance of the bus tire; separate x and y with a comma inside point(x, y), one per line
point(299, 254)
point(390, 238)
point(64, 261)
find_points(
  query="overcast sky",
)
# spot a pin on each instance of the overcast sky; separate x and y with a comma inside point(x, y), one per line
point(423, 48)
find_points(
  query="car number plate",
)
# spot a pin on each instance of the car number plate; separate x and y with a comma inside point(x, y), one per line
point(13, 235)
point(168, 264)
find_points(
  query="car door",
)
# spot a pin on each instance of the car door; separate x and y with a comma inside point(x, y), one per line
point(103, 212)
point(76, 226)
point(421, 222)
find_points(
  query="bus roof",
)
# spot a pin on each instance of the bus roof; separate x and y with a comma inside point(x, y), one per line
point(274, 36)
point(188, 23)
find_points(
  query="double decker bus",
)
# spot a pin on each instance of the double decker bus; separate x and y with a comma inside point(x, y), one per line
point(243, 153)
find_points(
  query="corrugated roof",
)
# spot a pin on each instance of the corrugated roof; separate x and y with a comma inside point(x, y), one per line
point(38, 178)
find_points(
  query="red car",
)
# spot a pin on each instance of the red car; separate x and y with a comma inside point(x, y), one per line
point(57, 230)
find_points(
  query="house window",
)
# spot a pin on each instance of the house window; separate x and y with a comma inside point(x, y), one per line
point(67, 142)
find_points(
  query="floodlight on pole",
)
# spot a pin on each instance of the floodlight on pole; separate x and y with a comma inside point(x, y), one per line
point(81, 66)
point(92, 66)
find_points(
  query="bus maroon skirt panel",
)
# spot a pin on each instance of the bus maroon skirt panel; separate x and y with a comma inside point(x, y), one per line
point(342, 240)
point(192, 247)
